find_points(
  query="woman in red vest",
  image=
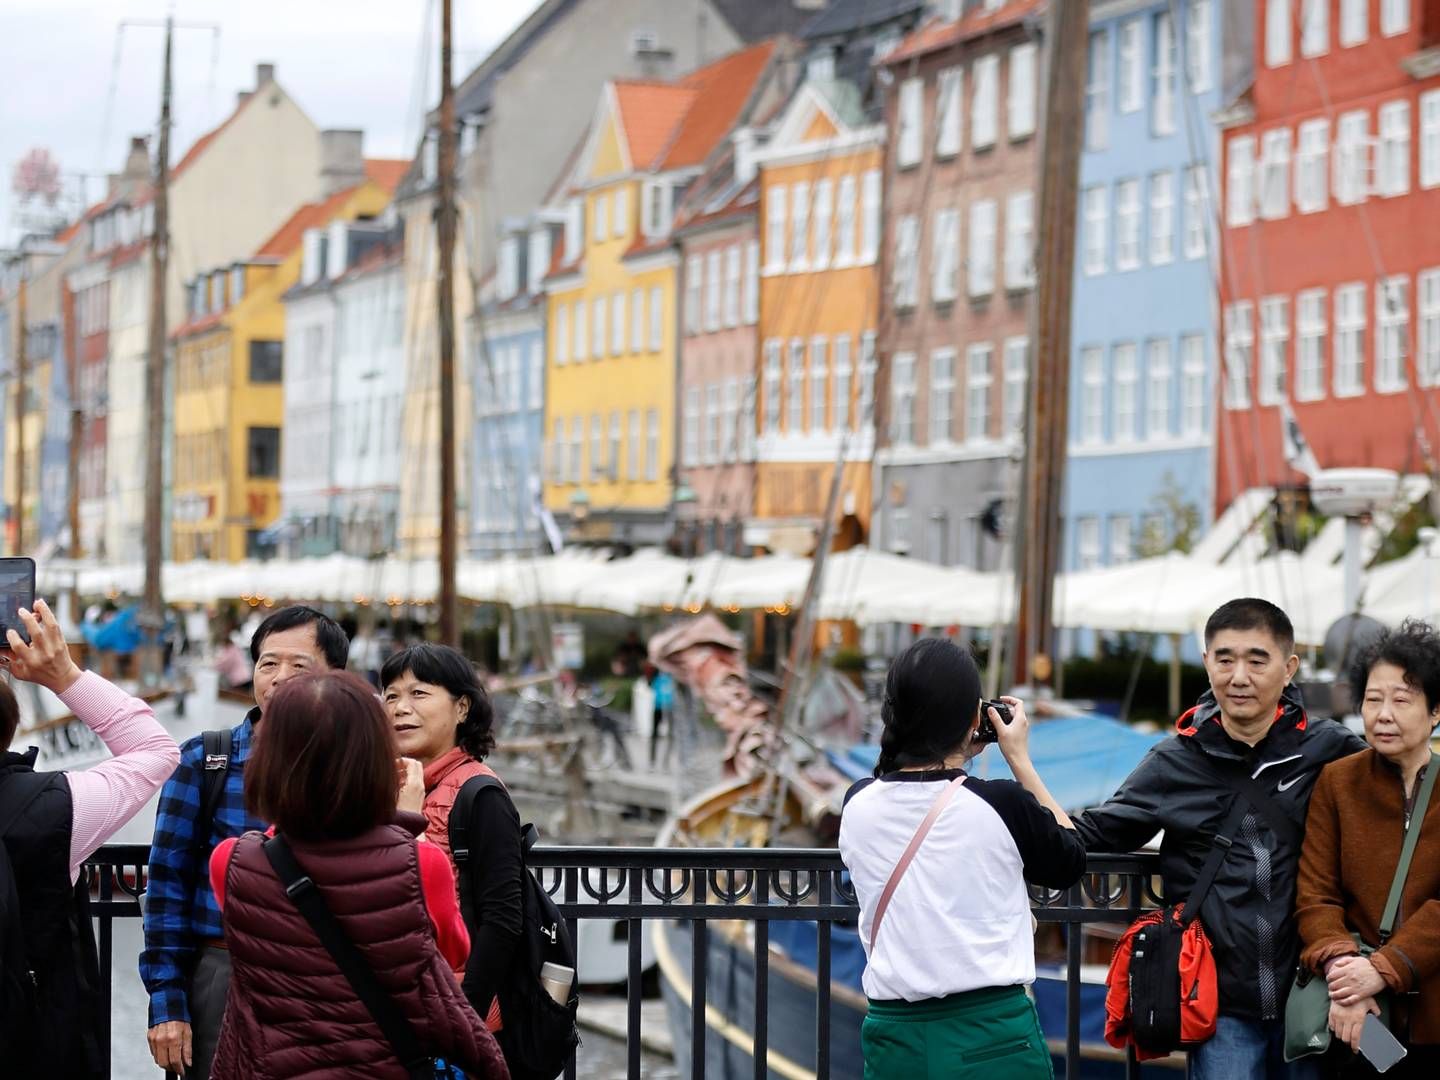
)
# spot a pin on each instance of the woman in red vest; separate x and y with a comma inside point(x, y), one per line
point(442, 718)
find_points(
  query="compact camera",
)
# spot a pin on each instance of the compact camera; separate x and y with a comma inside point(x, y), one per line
point(986, 733)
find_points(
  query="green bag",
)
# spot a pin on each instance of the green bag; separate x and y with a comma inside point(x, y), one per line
point(1307, 1010)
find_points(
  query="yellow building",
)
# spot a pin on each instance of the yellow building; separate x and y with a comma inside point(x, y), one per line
point(819, 305)
point(611, 351)
point(229, 382)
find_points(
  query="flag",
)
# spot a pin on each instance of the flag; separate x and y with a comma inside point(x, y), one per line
point(1298, 454)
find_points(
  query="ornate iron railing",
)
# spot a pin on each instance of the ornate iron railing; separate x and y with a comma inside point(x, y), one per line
point(697, 886)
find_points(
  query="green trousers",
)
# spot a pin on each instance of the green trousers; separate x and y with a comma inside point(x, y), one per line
point(992, 1034)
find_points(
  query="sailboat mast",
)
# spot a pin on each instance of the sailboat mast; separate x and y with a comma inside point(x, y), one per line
point(1047, 429)
point(153, 615)
point(22, 364)
point(445, 228)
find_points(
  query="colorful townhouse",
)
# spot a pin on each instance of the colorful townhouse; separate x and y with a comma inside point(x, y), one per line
point(611, 320)
point(230, 365)
point(1141, 432)
point(961, 179)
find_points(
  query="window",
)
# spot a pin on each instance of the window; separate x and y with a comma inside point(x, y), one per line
point(1198, 54)
point(870, 221)
point(731, 303)
point(622, 212)
point(657, 320)
point(1127, 224)
point(617, 324)
point(840, 409)
point(535, 365)
point(637, 320)
point(694, 290)
point(845, 222)
point(772, 386)
point(795, 388)
point(267, 361)
point(1392, 333)
point(751, 300)
point(1275, 175)
point(730, 433)
point(632, 448)
point(262, 453)
point(1427, 355)
point(712, 424)
point(821, 222)
point(942, 395)
point(799, 226)
point(1314, 27)
point(1197, 211)
point(614, 455)
point(1192, 386)
point(597, 327)
point(748, 434)
point(658, 198)
point(1162, 218)
point(982, 247)
point(507, 272)
point(1311, 166)
point(1097, 92)
point(775, 229)
point(1097, 228)
point(1277, 33)
point(912, 110)
point(1354, 22)
point(1392, 165)
point(865, 409)
point(1126, 392)
point(713, 284)
point(1239, 348)
point(979, 376)
point(1092, 394)
point(1394, 17)
point(985, 102)
point(602, 219)
point(1157, 389)
point(557, 453)
point(1352, 157)
point(1274, 349)
point(819, 377)
point(907, 261)
point(1430, 139)
point(1162, 108)
point(1020, 241)
point(949, 108)
point(1132, 69)
point(597, 447)
point(537, 262)
point(1310, 351)
point(652, 445)
point(1349, 340)
point(1017, 377)
point(902, 400)
point(1241, 205)
point(1087, 543)
point(574, 229)
point(562, 334)
point(1022, 90)
point(577, 449)
point(945, 256)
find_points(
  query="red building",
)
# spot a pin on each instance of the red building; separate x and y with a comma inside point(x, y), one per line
point(1330, 268)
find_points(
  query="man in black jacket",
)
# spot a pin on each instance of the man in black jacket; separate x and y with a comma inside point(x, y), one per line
point(1251, 724)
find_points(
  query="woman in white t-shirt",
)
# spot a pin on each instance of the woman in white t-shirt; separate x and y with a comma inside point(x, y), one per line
point(948, 937)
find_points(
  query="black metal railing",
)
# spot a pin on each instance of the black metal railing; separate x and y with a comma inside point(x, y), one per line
point(693, 887)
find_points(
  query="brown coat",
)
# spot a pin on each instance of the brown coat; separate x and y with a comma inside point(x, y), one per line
point(1352, 846)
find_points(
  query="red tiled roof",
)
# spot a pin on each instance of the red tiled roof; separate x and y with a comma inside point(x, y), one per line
point(938, 34)
point(197, 325)
point(650, 113)
point(386, 172)
point(287, 238)
point(129, 253)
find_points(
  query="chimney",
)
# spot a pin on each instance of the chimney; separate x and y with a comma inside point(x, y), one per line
point(242, 96)
point(342, 159)
point(656, 63)
point(743, 139)
point(136, 171)
point(264, 73)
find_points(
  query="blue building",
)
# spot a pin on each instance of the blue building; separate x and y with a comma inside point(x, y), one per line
point(1140, 472)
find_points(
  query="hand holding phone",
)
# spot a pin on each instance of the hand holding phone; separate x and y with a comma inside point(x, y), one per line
point(17, 591)
point(41, 656)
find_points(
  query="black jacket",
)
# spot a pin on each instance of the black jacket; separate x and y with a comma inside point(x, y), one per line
point(1248, 913)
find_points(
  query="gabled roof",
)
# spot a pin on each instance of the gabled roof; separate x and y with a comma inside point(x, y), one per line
point(649, 113)
point(386, 172)
point(938, 34)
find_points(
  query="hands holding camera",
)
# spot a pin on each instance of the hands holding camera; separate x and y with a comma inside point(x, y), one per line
point(1012, 734)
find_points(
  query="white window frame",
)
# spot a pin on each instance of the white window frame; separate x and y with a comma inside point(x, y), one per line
point(582, 334)
point(979, 383)
point(652, 445)
point(1125, 392)
point(694, 293)
point(1097, 91)
point(1162, 218)
point(749, 435)
point(1087, 543)
point(1163, 96)
point(799, 227)
point(902, 400)
point(1097, 229)
point(870, 216)
point(714, 288)
point(1131, 47)
point(942, 396)
point(1279, 30)
point(1314, 28)
point(731, 436)
point(1197, 211)
point(1351, 161)
point(1348, 344)
point(985, 102)
point(1199, 51)
point(776, 251)
point(869, 368)
point(633, 440)
point(617, 324)
point(637, 320)
point(906, 272)
point(1128, 227)
point(1122, 539)
point(911, 122)
point(714, 420)
point(1427, 350)
point(1394, 17)
point(980, 269)
point(1354, 22)
point(1273, 380)
point(731, 303)
point(1275, 174)
point(840, 386)
point(1430, 139)
point(1092, 395)
point(795, 386)
point(1020, 240)
point(599, 307)
point(620, 220)
point(821, 222)
point(1392, 333)
point(774, 376)
point(1311, 330)
point(1239, 353)
point(1192, 386)
point(601, 215)
point(1015, 370)
point(949, 112)
point(1312, 167)
point(1159, 379)
point(1392, 154)
point(945, 256)
point(819, 384)
point(657, 319)
point(562, 334)
point(751, 302)
point(1241, 202)
point(1022, 90)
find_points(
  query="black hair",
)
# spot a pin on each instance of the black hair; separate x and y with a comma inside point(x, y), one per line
point(932, 697)
point(1251, 613)
point(1414, 648)
point(334, 643)
point(440, 665)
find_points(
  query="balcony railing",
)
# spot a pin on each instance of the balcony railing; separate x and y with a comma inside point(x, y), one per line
point(695, 887)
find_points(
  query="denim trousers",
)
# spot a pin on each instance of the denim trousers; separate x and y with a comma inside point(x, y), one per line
point(1249, 1050)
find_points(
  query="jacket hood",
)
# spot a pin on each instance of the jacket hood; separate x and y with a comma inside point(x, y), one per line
point(1289, 713)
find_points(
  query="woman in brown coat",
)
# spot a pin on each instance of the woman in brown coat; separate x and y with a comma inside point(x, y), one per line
point(1358, 818)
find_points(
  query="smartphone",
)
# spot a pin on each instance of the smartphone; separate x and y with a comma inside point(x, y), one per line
point(17, 590)
point(1378, 1046)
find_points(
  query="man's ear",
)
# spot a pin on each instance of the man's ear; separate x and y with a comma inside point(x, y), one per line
point(1291, 667)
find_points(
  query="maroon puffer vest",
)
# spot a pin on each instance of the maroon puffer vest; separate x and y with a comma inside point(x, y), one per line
point(290, 1013)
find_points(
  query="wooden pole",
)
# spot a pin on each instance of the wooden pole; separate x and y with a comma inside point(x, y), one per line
point(22, 363)
point(445, 227)
point(1047, 430)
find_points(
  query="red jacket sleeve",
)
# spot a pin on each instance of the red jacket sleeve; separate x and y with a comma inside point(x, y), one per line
point(219, 863)
point(437, 884)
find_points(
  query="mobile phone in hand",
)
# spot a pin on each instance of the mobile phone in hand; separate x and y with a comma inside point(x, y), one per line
point(1378, 1046)
point(17, 590)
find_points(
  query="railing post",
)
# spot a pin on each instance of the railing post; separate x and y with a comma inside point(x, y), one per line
point(1074, 954)
point(699, 979)
point(107, 949)
point(572, 897)
point(822, 981)
point(761, 1047)
point(633, 978)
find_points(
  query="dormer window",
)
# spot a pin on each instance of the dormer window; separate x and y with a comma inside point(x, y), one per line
point(574, 229)
point(237, 284)
point(508, 271)
point(537, 260)
point(659, 198)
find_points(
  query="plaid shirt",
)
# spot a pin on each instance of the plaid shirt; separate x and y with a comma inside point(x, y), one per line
point(180, 908)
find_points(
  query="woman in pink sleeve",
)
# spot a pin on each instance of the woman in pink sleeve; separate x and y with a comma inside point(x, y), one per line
point(50, 822)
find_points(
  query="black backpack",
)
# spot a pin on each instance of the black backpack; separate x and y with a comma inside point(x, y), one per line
point(538, 1035)
point(18, 1013)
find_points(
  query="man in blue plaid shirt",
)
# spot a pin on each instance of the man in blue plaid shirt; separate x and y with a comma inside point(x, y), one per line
point(185, 967)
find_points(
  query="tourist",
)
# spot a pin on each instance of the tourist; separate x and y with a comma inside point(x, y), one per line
point(949, 941)
point(324, 772)
point(185, 966)
point(1249, 731)
point(51, 823)
point(1360, 813)
point(442, 718)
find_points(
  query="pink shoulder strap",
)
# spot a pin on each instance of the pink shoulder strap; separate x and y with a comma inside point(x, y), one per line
point(936, 809)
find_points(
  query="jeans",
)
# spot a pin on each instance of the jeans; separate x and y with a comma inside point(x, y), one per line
point(1249, 1050)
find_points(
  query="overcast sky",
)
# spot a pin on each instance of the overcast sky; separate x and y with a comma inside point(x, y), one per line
point(349, 63)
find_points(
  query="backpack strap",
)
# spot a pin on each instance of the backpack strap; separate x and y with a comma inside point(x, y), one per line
point(216, 750)
point(1219, 848)
point(462, 818)
point(1407, 853)
point(936, 809)
point(306, 897)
